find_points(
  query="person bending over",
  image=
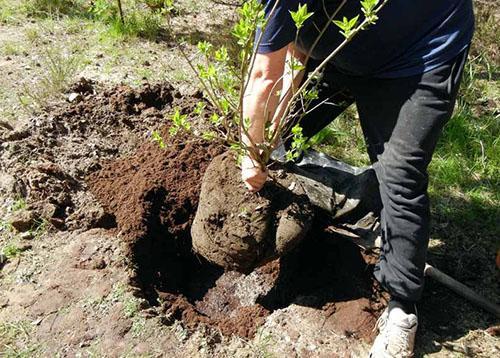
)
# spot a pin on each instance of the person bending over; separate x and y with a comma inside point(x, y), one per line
point(403, 74)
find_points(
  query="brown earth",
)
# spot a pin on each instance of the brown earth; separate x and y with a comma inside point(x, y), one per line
point(240, 230)
point(154, 194)
point(61, 162)
point(50, 156)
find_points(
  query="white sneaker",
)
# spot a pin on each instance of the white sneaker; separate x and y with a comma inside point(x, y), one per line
point(396, 337)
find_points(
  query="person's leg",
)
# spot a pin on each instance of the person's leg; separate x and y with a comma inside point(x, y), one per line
point(402, 120)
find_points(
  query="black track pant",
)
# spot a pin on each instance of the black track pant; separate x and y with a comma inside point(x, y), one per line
point(401, 120)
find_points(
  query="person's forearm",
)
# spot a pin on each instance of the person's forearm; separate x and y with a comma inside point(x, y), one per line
point(268, 92)
point(259, 105)
point(262, 93)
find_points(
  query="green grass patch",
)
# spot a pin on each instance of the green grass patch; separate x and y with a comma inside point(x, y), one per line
point(16, 340)
point(146, 19)
point(53, 8)
point(343, 139)
point(60, 66)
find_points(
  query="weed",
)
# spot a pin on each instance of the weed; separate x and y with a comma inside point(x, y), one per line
point(134, 21)
point(50, 8)
point(11, 48)
point(156, 137)
point(9, 12)
point(60, 67)
point(32, 34)
point(41, 226)
point(138, 326)
point(130, 307)
point(101, 306)
point(11, 250)
point(16, 340)
point(138, 23)
point(179, 123)
point(19, 204)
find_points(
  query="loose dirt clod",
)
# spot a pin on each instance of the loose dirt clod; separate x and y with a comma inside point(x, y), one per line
point(49, 158)
point(240, 230)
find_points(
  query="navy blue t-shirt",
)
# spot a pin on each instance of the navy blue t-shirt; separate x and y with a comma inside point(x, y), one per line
point(409, 38)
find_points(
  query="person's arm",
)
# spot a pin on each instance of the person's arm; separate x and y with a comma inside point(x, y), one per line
point(264, 87)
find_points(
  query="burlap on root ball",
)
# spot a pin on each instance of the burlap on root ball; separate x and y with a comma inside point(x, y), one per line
point(240, 230)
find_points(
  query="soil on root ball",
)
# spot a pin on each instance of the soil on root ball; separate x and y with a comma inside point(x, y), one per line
point(154, 195)
point(240, 230)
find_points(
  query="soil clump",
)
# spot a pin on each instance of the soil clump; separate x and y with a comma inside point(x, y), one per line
point(48, 159)
point(240, 230)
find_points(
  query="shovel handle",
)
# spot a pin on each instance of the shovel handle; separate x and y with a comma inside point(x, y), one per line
point(462, 290)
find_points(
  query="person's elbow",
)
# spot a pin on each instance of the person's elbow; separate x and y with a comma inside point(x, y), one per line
point(260, 83)
point(267, 71)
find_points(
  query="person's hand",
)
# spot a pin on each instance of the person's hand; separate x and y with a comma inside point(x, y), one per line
point(252, 175)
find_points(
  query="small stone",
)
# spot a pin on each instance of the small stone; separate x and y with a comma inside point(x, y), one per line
point(74, 97)
point(57, 222)
point(17, 135)
point(7, 183)
point(25, 247)
point(48, 210)
point(23, 220)
point(28, 235)
point(3, 260)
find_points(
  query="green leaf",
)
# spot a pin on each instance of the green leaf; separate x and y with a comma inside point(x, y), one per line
point(156, 136)
point(215, 119)
point(209, 135)
point(367, 6)
point(295, 65)
point(179, 122)
point(205, 47)
point(221, 55)
point(300, 16)
point(200, 107)
point(346, 26)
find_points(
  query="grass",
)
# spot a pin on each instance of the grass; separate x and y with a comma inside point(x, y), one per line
point(16, 340)
point(10, 242)
point(59, 65)
point(12, 48)
point(147, 19)
point(118, 294)
point(52, 8)
point(11, 251)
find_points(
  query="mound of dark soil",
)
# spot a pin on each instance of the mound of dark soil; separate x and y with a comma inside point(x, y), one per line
point(240, 230)
point(154, 195)
point(51, 155)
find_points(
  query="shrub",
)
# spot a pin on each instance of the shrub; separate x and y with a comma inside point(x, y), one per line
point(225, 82)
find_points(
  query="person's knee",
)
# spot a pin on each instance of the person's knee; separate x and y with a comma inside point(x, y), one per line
point(402, 175)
